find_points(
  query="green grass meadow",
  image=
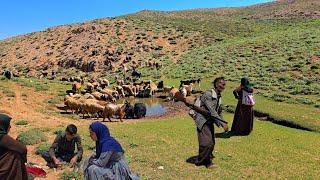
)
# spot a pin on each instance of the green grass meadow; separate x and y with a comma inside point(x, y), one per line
point(270, 152)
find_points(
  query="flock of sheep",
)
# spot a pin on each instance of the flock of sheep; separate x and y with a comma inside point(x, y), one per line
point(98, 100)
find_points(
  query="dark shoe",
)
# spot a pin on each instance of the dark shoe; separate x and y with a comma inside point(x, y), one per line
point(192, 160)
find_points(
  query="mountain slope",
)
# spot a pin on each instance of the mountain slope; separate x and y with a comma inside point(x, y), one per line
point(276, 44)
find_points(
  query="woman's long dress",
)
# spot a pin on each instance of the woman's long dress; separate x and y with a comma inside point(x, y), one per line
point(243, 118)
point(110, 165)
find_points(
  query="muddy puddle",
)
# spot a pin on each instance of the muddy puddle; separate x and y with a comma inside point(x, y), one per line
point(155, 106)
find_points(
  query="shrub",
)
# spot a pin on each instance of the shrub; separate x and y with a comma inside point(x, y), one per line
point(31, 136)
point(41, 87)
point(21, 122)
point(58, 131)
point(279, 97)
point(53, 101)
point(42, 148)
point(305, 101)
point(70, 175)
point(9, 93)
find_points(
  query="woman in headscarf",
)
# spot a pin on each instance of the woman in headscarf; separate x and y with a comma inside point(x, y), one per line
point(108, 162)
point(243, 117)
point(13, 154)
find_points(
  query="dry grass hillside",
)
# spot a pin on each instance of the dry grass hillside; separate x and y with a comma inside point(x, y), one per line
point(140, 39)
point(99, 45)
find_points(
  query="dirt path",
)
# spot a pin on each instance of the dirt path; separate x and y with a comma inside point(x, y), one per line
point(29, 105)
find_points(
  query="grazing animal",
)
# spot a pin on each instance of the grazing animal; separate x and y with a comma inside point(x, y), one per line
point(188, 89)
point(140, 110)
point(108, 97)
point(90, 87)
point(76, 87)
point(113, 109)
point(129, 110)
point(177, 95)
point(72, 104)
point(129, 90)
point(120, 82)
point(91, 107)
point(64, 79)
point(8, 74)
point(104, 83)
point(136, 74)
point(190, 81)
point(167, 89)
point(160, 85)
point(88, 96)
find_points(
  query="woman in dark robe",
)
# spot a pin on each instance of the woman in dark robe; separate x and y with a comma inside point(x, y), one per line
point(13, 154)
point(108, 162)
point(243, 117)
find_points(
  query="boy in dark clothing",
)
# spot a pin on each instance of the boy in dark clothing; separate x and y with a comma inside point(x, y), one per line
point(63, 147)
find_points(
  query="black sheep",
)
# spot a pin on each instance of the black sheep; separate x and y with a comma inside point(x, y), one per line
point(8, 74)
point(136, 73)
point(140, 110)
point(160, 85)
point(129, 110)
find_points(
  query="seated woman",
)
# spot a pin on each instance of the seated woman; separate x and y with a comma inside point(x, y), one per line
point(109, 161)
point(243, 118)
point(13, 154)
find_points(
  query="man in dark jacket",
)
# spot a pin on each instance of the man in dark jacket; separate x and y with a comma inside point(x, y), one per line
point(211, 102)
point(63, 148)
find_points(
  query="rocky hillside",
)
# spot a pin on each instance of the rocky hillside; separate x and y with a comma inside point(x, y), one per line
point(147, 38)
point(99, 45)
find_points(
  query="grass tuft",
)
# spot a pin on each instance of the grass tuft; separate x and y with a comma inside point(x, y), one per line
point(21, 122)
point(32, 136)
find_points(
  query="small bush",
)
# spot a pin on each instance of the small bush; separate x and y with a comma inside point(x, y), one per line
point(31, 137)
point(279, 97)
point(21, 122)
point(62, 93)
point(42, 148)
point(9, 93)
point(41, 87)
point(53, 101)
point(45, 129)
point(305, 101)
point(58, 131)
point(70, 175)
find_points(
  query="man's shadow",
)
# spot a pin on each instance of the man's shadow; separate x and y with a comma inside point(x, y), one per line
point(192, 160)
point(224, 135)
point(227, 134)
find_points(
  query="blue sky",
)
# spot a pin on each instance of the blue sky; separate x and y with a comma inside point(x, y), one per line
point(24, 16)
